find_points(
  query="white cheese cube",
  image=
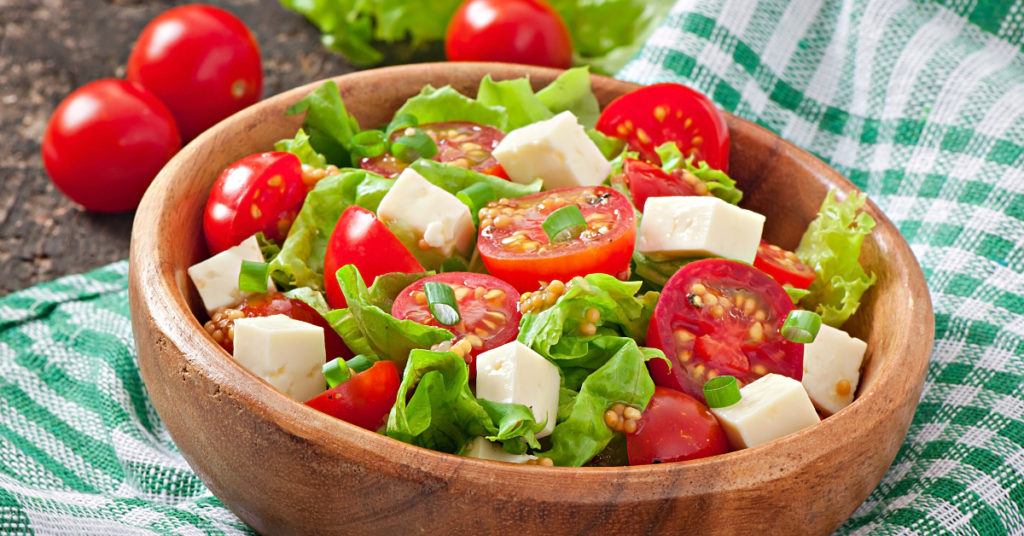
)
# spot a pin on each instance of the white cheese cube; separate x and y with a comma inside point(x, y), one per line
point(770, 407)
point(557, 150)
point(485, 450)
point(216, 278)
point(434, 215)
point(289, 354)
point(689, 226)
point(514, 373)
point(832, 368)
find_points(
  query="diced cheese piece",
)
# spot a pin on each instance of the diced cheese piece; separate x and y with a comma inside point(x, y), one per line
point(514, 373)
point(557, 150)
point(289, 354)
point(687, 226)
point(485, 450)
point(216, 278)
point(770, 407)
point(436, 216)
point(832, 368)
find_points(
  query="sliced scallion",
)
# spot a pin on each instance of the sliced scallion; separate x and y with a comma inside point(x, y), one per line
point(369, 144)
point(801, 326)
point(721, 391)
point(359, 363)
point(253, 276)
point(336, 372)
point(564, 224)
point(441, 300)
point(409, 147)
point(476, 196)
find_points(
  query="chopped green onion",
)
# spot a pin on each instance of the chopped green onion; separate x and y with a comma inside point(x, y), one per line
point(336, 372)
point(454, 264)
point(359, 363)
point(721, 391)
point(401, 121)
point(475, 196)
point(564, 224)
point(369, 144)
point(801, 326)
point(253, 276)
point(417, 145)
point(441, 299)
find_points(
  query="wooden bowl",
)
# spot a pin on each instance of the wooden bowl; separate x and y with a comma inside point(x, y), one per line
point(287, 469)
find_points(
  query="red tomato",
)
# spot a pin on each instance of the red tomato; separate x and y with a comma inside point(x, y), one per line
point(513, 31)
point(459, 143)
point(201, 61)
point(783, 265)
point(488, 309)
point(361, 239)
point(261, 192)
point(106, 141)
point(278, 304)
point(673, 428)
point(718, 316)
point(653, 115)
point(365, 399)
point(514, 246)
point(647, 180)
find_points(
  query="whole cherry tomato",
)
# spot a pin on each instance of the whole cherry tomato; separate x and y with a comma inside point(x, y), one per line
point(202, 62)
point(673, 428)
point(513, 31)
point(106, 141)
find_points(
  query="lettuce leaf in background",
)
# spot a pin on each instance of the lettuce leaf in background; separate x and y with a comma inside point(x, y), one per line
point(606, 33)
point(831, 245)
point(434, 105)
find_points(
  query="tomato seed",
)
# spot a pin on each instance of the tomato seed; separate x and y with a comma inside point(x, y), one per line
point(419, 297)
point(660, 112)
point(461, 293)
point(495, 294)
point(255, 211)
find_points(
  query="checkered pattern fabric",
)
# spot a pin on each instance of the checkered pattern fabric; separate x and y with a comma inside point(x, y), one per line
point(921, 104)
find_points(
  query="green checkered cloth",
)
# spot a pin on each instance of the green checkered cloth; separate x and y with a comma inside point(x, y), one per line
point(919, 104)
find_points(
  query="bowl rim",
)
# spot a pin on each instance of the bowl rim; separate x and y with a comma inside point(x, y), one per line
point(154, 282)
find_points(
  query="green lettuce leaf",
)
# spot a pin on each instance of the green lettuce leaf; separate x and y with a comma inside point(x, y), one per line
point(516, 97)
point(346, 25)
point(656, 272)
point(720, 184)
point(454, 179)
point(328, 123)
point(572, 91)
point(607, 33)
point(831, 245)
point(301, 147)
point(434, 105)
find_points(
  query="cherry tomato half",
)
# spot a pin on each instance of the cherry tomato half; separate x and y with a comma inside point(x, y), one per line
point(261, 192)
point(361, 239)
point(459, 143)
point(673, 428)
point(783, 265)
point(512, 31)
point(716, 317)
point(201, 61)
point(488, 309)
point(647, 180)
point(652, 115)
point(514, 246)
point(106, 141)
point(365, 399)
point(277, 304)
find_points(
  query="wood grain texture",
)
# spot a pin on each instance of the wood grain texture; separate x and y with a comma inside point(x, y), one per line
point(49, 48)
point(287, 469)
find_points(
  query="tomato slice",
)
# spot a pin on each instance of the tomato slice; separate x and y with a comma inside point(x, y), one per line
point(259, 193)
point(652, 115)
point(783, 265)
point(459, 143)
point(365, 399)
point(647, 180)
point(515, 248)
point(361, 239)
point(488, 306)
point(673, 428)
point(716, 317)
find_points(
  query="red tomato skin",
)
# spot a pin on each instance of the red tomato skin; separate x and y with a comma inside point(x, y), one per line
point(675, 427)
point(646, 180)
point(361, 239)
point(203, 63)
point(278, 304)
point(511, 31)
point(106, 141)
point(716, 346)
point(775, 261)
point(229, 216)
point(365, 399)
point(653, 108)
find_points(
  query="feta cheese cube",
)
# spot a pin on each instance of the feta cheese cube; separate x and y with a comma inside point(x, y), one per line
point(481, 448)
point(832, 368)
point(687, 226)
point(557, 150)
point(431, 213)
point(514, 373)
point(289, 354)
point(770, 407)
point(216, 278)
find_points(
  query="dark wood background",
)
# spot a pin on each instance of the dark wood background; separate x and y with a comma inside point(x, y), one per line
point(50, 47)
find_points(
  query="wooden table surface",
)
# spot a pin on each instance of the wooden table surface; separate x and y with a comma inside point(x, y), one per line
point(50, 47)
